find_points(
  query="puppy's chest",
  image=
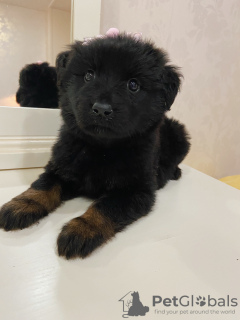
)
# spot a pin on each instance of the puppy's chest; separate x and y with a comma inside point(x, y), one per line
point(101, 169)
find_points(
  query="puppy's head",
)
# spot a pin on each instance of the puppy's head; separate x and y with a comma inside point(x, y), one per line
point(115, 87)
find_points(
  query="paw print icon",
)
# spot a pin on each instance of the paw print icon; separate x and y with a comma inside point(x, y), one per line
point(201, 301)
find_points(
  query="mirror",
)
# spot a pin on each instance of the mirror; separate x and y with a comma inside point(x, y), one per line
point(31, 32)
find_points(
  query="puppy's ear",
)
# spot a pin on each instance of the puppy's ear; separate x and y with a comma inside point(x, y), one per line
point(62, 59)
point(171, 80)
point(61, 63)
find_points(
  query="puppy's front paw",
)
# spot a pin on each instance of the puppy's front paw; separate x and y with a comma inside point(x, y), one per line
point(78, 239)
point(29, 207)
point(84, 234)
point(20, 213)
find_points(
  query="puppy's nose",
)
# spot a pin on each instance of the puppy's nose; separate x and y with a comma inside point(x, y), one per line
point(102, 109)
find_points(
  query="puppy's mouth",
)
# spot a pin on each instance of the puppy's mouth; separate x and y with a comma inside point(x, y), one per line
point(99, 128)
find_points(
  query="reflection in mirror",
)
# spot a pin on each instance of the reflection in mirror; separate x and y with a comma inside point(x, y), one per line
point(31, 33)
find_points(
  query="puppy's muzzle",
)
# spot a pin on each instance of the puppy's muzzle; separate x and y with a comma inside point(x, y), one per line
point(102, 109)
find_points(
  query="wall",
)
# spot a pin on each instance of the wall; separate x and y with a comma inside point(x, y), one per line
point(202, 37)
point(86, 18)
point(59, 32)
point(23, 35)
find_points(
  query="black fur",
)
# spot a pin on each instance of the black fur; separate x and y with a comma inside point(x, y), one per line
point(38, 86)
point(120, 159)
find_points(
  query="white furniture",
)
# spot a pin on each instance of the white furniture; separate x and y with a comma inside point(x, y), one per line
point(188, 245)
point(26, 136)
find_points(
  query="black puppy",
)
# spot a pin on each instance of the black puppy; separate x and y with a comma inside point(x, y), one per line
point(116, 144)
point(38, 86)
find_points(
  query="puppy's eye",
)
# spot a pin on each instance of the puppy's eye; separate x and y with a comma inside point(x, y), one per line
point(133, 85)
point(89, 76)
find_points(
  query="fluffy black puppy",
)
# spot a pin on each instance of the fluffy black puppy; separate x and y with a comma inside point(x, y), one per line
point(116, 144)
point(38, 86)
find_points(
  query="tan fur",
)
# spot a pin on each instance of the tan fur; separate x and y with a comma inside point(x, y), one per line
point(91, 224)
point(48, 200)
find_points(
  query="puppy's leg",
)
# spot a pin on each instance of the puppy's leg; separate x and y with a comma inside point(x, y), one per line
point(107, 216)
point(173, 149)
point(44, 196)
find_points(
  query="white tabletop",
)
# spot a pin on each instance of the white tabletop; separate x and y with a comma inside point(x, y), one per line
point(188, 245)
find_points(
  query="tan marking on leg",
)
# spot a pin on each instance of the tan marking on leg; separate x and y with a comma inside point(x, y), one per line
point(29, 207)
point(92, 223)
point(49, 199)
point(17, 206)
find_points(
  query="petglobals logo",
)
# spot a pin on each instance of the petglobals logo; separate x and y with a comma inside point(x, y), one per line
point(132, 306)
point(191, 301)
point(192, 305)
